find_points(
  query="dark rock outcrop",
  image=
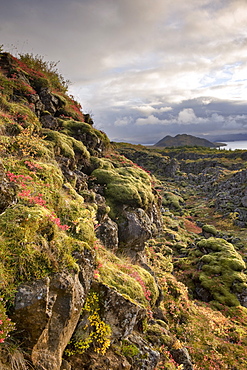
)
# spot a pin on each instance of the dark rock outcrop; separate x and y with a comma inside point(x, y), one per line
point(47, 311)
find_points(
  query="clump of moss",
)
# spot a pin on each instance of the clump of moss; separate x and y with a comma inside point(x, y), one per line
point(32, 246)
point(86, 133)
point(125, 185)
point(80, 216)
point(129, 349)
point(211, 229)
point(222, 271)
point(65, 145)
point(172, 200)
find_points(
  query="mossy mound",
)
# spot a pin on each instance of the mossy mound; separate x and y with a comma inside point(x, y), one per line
point(65, 145)
point(210, 229)
point(222, 271)
point(124, 185)
point(94, 140)
point(171, 200)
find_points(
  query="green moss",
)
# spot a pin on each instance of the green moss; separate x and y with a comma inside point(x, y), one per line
point(128, 349)
point(172, 200)
point(81, 217)
point(85, 132)
point(209, 229)
point(222, 271)
point(66, 145)
point(32, 246)
point(125, 185)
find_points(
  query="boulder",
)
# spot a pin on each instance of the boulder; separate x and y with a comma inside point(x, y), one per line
point(107, 232)
point(47, 311)
point(119, 312)
point(135, 230)
point(182, 357)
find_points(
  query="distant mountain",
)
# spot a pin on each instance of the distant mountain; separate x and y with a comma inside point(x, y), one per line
point(184, 140)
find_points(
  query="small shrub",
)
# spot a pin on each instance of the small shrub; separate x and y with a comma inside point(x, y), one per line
point(99, 334)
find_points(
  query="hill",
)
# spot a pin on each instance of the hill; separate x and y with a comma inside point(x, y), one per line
point(184, 140)
point(113, 256)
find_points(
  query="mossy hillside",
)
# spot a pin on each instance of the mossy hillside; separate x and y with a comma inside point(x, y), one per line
point(43, 183)
point(48, 223)
point(222, 271)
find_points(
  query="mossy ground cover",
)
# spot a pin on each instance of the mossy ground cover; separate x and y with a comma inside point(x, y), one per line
point(132, 281)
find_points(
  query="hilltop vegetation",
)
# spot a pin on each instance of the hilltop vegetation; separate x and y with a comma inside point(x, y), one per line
point(113, 256)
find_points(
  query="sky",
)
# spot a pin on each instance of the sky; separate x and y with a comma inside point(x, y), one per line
point(143, 69)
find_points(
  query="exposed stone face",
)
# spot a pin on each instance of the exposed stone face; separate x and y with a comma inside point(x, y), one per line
point(148, 358)
point(243, 298)
point(107, 232)
point(120, 313)
point(182, 357)
point(135, 230)
point(47, 312)
point(50, 122)
point(125, 319)
point(50, 101)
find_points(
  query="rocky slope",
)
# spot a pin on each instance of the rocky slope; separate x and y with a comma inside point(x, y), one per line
point(103, 265)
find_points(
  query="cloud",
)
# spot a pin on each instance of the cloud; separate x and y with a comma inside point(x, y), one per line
point(187, 116)
point(123, 121)
point(148, 67)
point(151, 120)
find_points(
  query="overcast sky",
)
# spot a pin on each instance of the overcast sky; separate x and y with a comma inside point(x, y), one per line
point(144, 69)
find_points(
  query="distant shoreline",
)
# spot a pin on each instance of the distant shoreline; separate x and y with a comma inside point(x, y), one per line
point(226, 145)
point(234, 145)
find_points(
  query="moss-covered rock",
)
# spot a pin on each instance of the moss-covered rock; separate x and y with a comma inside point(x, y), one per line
point(222, 271)
point(124, 185)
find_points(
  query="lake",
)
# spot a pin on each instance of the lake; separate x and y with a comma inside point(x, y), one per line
point(232, 145)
